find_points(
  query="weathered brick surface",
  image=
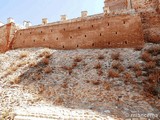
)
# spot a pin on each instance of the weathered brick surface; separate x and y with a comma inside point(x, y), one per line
point(97, 32)
point(6, 35)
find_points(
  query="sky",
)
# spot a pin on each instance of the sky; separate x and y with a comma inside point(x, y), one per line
point(35, 10)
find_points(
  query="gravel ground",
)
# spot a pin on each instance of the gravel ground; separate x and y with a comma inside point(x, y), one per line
point(73, 84)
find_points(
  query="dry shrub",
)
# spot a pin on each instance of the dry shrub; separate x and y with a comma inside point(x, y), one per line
point(58, 100)
point(45, 54)
point(106, 86)
point(115, 56)
point(74, 65)
point(100, 72)
point(64, 85)
point(113, 74)
point(48, 69)
point(150, 65)
point(136, 67)
point(13, 68)
point(154, 77)
point(68, 68)
point(23, 55)
point(96, 82)
point(37, 76)
point(101, 57)
point(45, 61)
point(146, 56)
point(117, 65)
point(16, 80)
point(77, 59)
point(41, 88)
point(155, 50)
point(138, 73)
point(121, 68)
point(32, 64)
point(98, 66)
point(127, 76)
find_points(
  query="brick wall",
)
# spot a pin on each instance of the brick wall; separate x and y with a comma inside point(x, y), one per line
point(6, 35)
point(96, 32)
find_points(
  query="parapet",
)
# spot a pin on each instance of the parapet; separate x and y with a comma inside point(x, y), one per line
point(84, 14)
point(27, 24)
point(10, 20)
point(44, 21)
point(63, 17)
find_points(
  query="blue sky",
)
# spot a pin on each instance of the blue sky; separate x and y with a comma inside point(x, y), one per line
point(35, 10)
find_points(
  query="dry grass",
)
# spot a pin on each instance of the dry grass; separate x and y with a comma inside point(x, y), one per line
point(115, 56)
point(113, 74)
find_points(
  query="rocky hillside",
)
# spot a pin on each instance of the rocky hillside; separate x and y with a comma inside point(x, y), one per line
point(80, 84)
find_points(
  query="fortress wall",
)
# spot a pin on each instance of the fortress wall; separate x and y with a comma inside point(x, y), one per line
point(150, 15)
point(101, 32)
point(6, 35)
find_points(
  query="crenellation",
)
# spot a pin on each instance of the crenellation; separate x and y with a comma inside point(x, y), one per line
point(63, 17)
point(84, 14)
point(44, 21)
point(27, 24)
point(10, 20)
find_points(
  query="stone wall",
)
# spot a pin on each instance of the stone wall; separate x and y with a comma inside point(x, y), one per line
point(93, 32)
point(150, 15)
point(6, 35)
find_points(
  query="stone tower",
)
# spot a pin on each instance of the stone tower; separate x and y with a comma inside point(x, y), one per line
point(117, 5)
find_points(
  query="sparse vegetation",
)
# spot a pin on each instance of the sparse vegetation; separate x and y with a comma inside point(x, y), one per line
point(78, 59)
point(23, 55)
point(16, 80)
point(113, 74)
point(146, 56)
point(101, 57)
point(48, 69)
point(96, 82)
point(45, 61)
point(98, 66)
point(115, 56)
